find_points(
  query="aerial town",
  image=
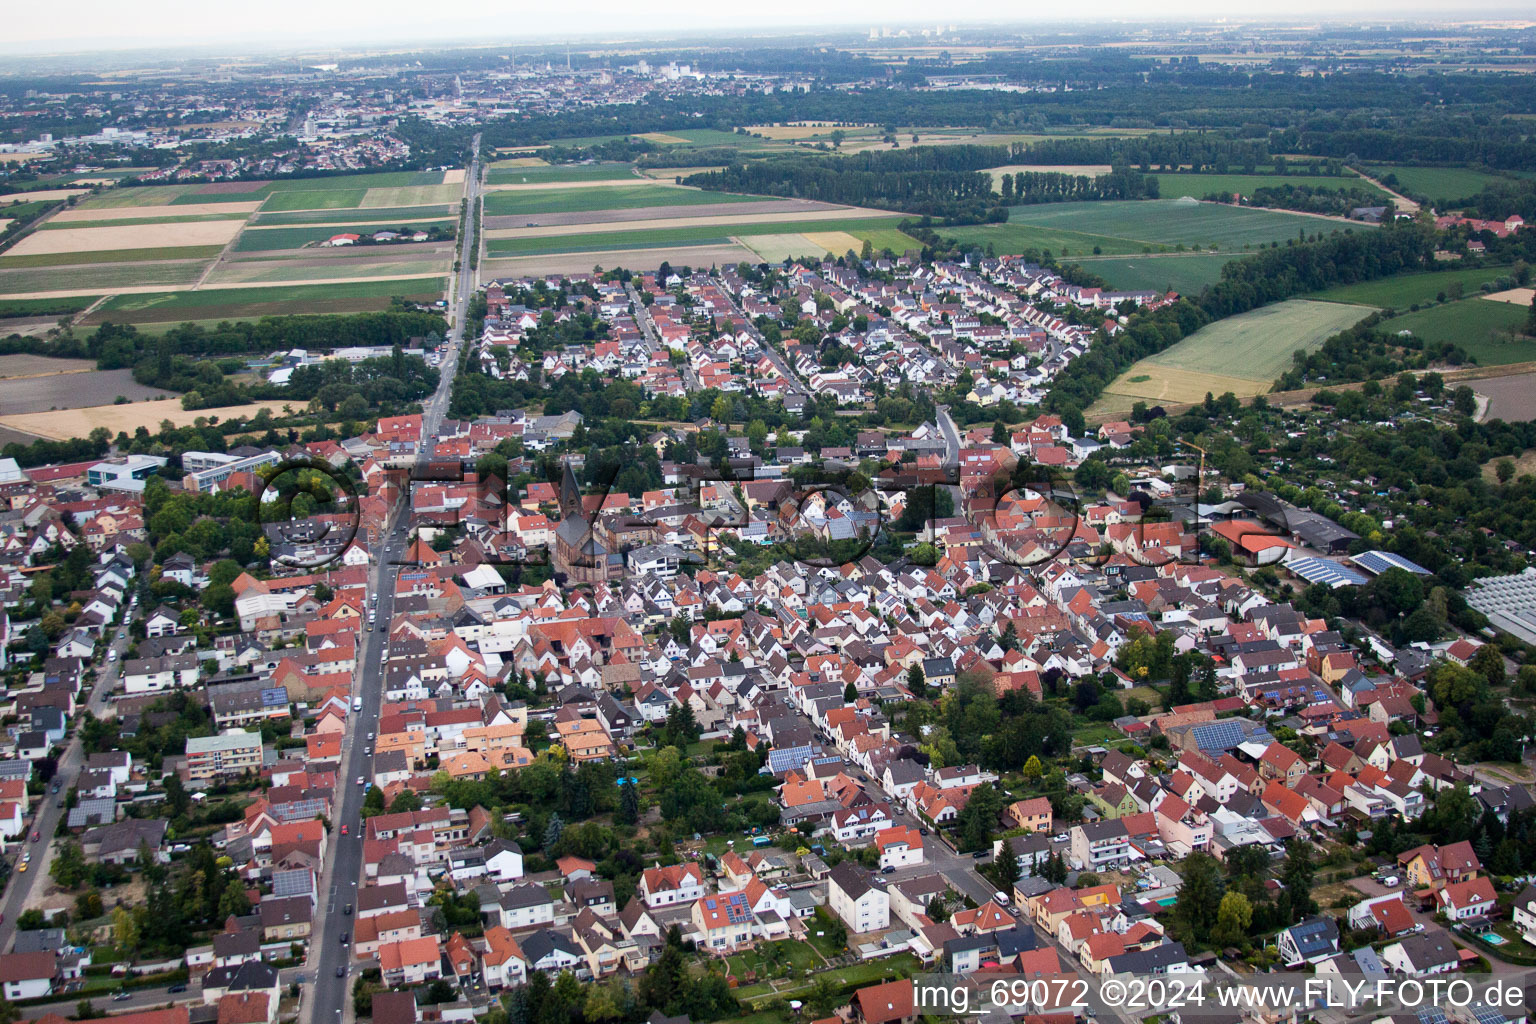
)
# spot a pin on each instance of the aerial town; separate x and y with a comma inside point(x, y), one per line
point(473, 545)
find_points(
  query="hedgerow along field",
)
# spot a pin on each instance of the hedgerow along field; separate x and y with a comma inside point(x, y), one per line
point(1242, 354)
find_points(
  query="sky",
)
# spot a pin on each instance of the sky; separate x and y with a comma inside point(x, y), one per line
point(83, 25)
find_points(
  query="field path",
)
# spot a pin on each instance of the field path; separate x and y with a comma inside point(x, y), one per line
point(228, 246)
point(88, 310)
point(1404, 204)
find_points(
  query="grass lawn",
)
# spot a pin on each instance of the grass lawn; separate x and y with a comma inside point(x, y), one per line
point(371, 213)
point(1172, 186)
point(558, 172)
point(1485, 329)
point(1095, 734)
point(1185, 274)
point(619, 197)
point(853, 976)
point(69, 259)
point(1403, 290)
point(315, 199)
point(266, 239)
point(797, 955)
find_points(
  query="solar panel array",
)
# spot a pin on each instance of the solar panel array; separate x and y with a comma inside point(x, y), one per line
point(1328, 573)
point(788, 758)
point(1218, 735)
point(1378, 562)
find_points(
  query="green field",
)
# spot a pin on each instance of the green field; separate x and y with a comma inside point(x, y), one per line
point(55, 225)
point(101, 276)
point(1185, 274)
point(1171, 222)
point(266, 239)
point(1242, 354)
point(893, 239)
point(1443, 185)
point(16, 211)
point(1172, 186)
point(45, 307)
point(642, 238)
point(70, 259)
point(1482, 327)
point(319, 199)
point(559, 172)
point(382, 179)
point(139, 195)
point(222, 303)
point(1404, 290)
point(619, 197)
point(199, 198)
point(396, 213)
point(1015, 239)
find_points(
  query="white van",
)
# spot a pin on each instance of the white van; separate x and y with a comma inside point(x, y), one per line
point(357, 704)
point(1001, 898)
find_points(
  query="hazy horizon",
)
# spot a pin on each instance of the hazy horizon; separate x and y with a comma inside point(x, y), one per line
point(179, 25)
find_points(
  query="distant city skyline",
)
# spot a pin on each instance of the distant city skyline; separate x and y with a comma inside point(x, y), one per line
point(99, 25)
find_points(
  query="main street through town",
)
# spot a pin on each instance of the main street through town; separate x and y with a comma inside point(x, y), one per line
point(330, 948)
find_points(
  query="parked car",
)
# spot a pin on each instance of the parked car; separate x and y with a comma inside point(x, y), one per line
point(341, 970)
point(347, 909)
point(343, 830)
point(361, 781)
point(345, 938)
point(35, 835)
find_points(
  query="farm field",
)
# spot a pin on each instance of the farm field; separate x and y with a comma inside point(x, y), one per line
point(1242, 354)
point(891, 238)
point(1171, 222)
point(223, 303)
point(92, 259)
point(1014, 239)
point(1512, 399)
point(266, 239)
point(616, 197)
point(65, 390)
point(329, 199)
point(62, 424)
point(1441, 184)
point(133, 214)
point(1403, 290)
point(18, 310)
point(700, 255)
point(291, 271)
point(101, 276)
point(780, 247)
point(712, 230)
point(82, 241)
point(1172, 186)
point(1186, 274)
point(22, 364)
point(41, 196)
point(497, 174)
point(124, 241)
point(373, 215)
point(1516, 296)
point(1484, 329)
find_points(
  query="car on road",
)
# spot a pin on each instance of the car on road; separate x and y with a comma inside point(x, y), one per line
point(176, 988)
point(341, 970)
point(36, 835)
point(345, 938)
point(120, 995)
point(343, 830)
point(361, 781)
point(347, 909)
point(122, 636)
point(55, 788)
point(26, 858)
point(370, 737)
point(23, 867)
point(887, 870)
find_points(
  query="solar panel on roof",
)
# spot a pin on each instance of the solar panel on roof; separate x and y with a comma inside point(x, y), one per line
point(1378, 562)
point(1331, 574)
point(1432, 1015)
point(1218, 735)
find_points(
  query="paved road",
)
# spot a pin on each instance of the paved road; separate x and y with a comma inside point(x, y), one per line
point(951, 438)
point(327, 996)
point(47, 813)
